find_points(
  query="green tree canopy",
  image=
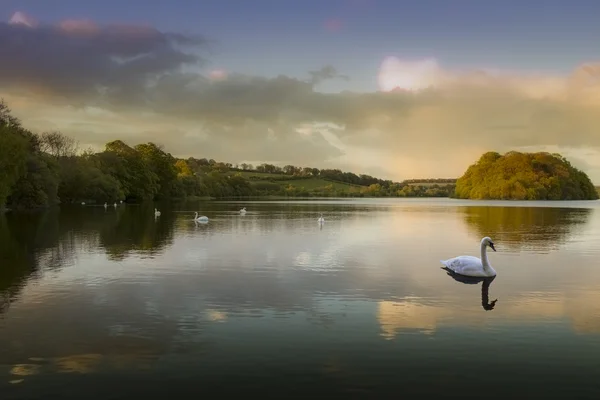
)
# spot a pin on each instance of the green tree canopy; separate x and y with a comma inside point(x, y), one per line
point(524, 176)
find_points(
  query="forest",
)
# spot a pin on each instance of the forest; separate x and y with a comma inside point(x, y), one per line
point(524, 176)
point(40, 170)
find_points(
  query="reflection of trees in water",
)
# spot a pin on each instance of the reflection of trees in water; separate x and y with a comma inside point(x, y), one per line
point(135, 229)
point(51, 239)
point(25, 238)
point(539, 228)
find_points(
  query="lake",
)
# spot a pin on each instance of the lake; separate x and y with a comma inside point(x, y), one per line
point(115, 303)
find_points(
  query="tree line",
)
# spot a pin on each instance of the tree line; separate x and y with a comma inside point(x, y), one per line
point(38, 170)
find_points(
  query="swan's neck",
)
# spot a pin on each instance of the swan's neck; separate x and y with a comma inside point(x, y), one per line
point(196, 214)
point(484, 257)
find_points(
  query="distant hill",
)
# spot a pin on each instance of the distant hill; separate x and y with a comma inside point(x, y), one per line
point(524, 176)
point(271, 180)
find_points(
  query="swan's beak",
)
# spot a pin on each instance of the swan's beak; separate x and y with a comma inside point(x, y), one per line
point(492, 246)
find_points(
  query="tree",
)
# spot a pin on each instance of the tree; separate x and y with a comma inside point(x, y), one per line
point(125, 164)
point(27, 178)
point(6, 117)
point(524, 176)
point(13, 157)
point(183, 168)
point(58, 145)
point(82, 179)
point(162, 165)
point(38, 186)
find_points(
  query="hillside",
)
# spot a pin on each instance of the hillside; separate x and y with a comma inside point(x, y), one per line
point(41, 170)
point(524, 176)
point(307, 182)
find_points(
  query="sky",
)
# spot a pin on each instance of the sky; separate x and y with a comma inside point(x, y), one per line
point(395, 89)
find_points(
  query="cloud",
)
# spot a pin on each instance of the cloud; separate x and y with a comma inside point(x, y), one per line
point(20, 18)
point(80, 59)
point(217, 74)
point(327, 72)
point(436, 123)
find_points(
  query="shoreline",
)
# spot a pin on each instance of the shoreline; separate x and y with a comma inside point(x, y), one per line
point(242, 199)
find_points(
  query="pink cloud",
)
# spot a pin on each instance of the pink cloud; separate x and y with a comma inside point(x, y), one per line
point(333, 25)
point(79, 26)
point(217, 74)
point(88, 27)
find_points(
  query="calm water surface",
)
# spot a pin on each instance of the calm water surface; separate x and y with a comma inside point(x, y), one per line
point(103, 304)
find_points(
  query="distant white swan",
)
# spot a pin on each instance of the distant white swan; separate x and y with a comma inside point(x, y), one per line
point(156, 213)
point(114, 205)
point(243, 210)
point(473, 266)
point(203, 218)
point(321, 219)
point(105, 205)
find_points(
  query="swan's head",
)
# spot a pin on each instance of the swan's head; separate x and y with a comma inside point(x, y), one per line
point(487, 241)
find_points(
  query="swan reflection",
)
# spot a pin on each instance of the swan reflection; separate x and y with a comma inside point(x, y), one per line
point(485, 287)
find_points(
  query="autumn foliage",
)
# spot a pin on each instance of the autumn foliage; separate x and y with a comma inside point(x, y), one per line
point(524, 176)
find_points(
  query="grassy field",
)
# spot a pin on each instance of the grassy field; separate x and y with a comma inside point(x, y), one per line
point(249, 174)
point(314, 183)
point(307, 183)
point(427, 184)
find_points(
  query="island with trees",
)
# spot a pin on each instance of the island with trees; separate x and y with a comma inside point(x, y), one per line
point(524, 176)
point(40, 170)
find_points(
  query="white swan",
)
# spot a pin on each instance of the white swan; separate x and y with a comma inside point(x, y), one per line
point(321, 219)
point(243, 210)
point(105, 205)
point(156, 212)
point(203, 218)
point(115, 204)
point(473, 266)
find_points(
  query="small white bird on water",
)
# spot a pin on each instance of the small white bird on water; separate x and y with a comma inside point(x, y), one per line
point(243, 210)
point(321, 219)
point(473, 266)
point(156, 213)
point(203, 218)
